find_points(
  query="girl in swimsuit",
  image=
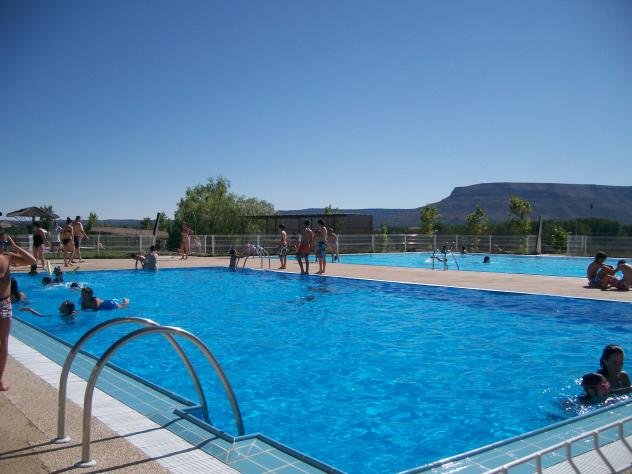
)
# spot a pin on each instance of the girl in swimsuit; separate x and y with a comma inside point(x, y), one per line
point(68, 243)
point(611, 363)
point(89, 301)
point(39, 236)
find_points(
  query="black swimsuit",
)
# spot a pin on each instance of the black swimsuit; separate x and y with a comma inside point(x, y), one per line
point(37, 240)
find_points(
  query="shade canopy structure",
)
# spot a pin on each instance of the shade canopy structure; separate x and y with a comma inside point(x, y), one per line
point(33, 212)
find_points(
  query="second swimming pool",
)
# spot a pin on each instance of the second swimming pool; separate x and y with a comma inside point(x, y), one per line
point(366, 376)
point(499, 263)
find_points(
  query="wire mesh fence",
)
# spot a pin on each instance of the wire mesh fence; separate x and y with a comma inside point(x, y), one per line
point(117, 246)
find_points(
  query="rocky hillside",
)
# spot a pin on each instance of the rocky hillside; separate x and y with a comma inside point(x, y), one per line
point(549, 200)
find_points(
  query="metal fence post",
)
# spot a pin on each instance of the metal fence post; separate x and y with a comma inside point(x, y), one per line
point(213, 245)
point(490, 244)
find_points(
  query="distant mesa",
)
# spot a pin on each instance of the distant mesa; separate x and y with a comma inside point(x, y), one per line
point(549, 200)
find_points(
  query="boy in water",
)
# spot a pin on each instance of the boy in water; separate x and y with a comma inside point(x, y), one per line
point(232, 265)
point(67, 308)
point(596, 387)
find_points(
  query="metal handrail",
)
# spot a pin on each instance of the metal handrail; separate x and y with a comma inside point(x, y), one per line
point(87, 403)
point(443, 259)
point(455, 260)
point(63, 379)
point(261, 253)
point(567, 447)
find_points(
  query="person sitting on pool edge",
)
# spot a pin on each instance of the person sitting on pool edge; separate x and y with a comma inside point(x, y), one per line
point(89, 301)
point(601, 275)
point(611, 363)
point(147, 262)
point(596, 389)
point(626, 269)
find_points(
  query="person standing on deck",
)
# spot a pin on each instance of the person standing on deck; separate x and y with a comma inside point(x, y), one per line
point(332, 244)
point(78, 234)
point(67, 242)
point(185, 242)
point(10, 254)
point(282, 250)
point(321, 246)
point(55, 240)
point(39, 238)
point(305, 247)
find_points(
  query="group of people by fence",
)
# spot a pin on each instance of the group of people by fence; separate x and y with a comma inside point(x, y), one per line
point(318, 241)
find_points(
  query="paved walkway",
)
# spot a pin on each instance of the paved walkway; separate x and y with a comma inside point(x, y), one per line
point(28, 409)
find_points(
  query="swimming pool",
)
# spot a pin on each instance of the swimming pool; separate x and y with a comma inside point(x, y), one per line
point(366, 376)
point(499, 263)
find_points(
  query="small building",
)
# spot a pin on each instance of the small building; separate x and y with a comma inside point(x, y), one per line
point(128, 231)
point(341, 223)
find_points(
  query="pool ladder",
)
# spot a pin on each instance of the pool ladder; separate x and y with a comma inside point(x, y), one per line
point(262, 253)
point(151, 327)
point(442, 256)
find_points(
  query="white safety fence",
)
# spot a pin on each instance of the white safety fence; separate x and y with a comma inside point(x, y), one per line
point(106, 245)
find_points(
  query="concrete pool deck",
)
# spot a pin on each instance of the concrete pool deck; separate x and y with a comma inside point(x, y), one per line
point(28, 408)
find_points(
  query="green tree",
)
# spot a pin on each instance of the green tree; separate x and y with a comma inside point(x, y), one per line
point(519, 210)
point(164, 223)
point(429, 220)
point(146, 223)
point(212, 209)
point(329, 210)
point(47, 222)
point(92, 221)
point(477, 221)
point(559, 238)
point(384, 236)
point(477, 224)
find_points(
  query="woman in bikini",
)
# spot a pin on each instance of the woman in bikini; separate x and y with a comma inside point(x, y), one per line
point(39, 237)
point(67, 242)
point(185, 243)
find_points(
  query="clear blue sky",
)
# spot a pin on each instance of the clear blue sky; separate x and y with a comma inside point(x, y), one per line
point(118, 106)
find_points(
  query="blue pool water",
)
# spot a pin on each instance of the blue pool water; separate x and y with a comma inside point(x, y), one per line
point(366, 376)
point(499, 263)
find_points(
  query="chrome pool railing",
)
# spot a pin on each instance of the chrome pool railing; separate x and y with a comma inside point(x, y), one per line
point(72, 354)
point(151, 327)
point(567, 445)
point(96, 371)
